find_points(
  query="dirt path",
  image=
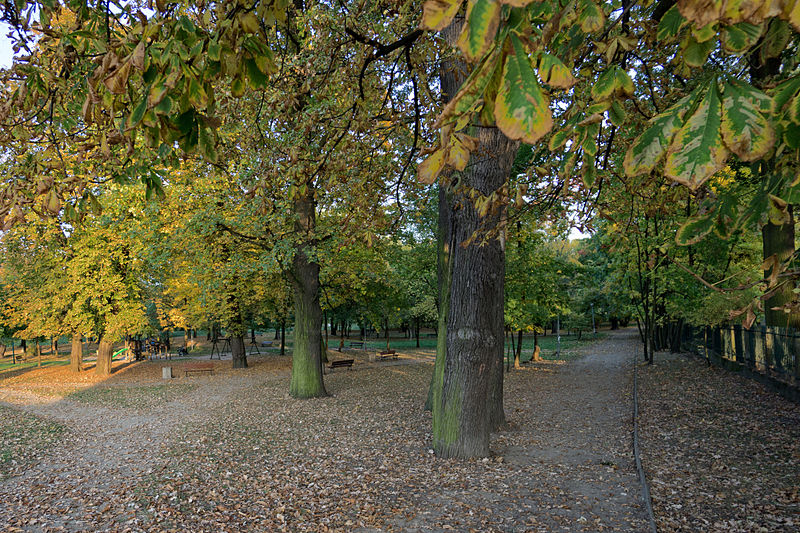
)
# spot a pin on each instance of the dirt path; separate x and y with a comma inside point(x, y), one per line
point(357, 460)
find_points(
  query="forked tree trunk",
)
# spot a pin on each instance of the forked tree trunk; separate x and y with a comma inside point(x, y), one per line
point(76, 354)
point(104, 354)
point(307, 352)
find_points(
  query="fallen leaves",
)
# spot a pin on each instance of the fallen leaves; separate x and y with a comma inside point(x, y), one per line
point(721, 451)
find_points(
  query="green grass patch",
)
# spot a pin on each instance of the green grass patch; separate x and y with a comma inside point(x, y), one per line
point(130, 397)
point(550, 348)
point(6, 365)
point(23, 437)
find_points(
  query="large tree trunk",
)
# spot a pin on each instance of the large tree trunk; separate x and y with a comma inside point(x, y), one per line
point(76, 354)
point(307, 353)
point(238, 353)
point(468, 395)
point(779, 241)
point(103, 367)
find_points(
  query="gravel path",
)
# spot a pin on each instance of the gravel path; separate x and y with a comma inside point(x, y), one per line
point(235, 453)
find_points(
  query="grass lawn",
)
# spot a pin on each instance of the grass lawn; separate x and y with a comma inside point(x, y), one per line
point(6, 365)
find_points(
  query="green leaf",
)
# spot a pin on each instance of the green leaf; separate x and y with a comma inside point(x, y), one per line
point(196, 94)
point(617, 114)
point(138, 114)
point(558, 140)
point(256, 78)
point(186, 24)
point(237, 87)
point(785, 92)
point(165, 106)
point(521, 109)
point(437, 14)
point(591, 18)
point(207, 144)
point(745, 130)
point(705, 33)
point(776, 39)
point(794, 109)
point(670, 24)
point(697, 150)
point(695, 229)
point(603, 88)
point(480, 28)
point(740, 37)
point(791, 135)
point(214, 51)
point(471, 90)
point(695, 54)
point(613, 81)
point(649, 148)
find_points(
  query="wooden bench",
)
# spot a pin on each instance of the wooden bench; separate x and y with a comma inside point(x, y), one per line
point(341, 363)
point(388, 354)
point(266, 344)
point(357, 344)
point(198, 367)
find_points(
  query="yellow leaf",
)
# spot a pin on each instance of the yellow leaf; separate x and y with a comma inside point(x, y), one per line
point(429, 170)
point(437, 14)
point(117, 81)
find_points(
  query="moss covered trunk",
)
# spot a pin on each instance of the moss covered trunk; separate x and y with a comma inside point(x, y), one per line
point(307, 351)
point(76, 354)
point(103, 367)
point(468, 383)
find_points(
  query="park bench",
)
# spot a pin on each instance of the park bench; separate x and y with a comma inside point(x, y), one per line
point(198, 367)
point(341, 363)
point(388, 354)
point(357, 344)
point(266, 344)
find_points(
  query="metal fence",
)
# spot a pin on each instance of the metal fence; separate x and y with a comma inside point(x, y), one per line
point(768, 351)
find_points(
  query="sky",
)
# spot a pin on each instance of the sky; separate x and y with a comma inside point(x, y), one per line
point(5, 47)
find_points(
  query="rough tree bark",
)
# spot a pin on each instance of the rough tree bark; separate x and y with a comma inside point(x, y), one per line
point(103, 367)
point(779, 241)
point(468, 387)
point(76, 354)
point(238, 353)
point(307, 379)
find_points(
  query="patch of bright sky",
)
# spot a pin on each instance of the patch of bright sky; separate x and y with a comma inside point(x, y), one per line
point(5, 47)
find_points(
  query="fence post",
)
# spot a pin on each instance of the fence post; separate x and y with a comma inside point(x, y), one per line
point(769, 339)
point(738, 343)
